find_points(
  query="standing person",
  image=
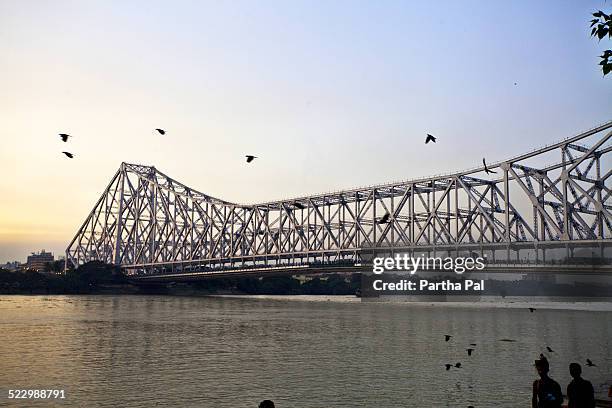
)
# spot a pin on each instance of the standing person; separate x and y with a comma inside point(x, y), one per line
point(546, 391)
point(580, 392)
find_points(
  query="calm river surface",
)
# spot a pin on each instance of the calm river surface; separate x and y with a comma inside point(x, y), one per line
point(144, 351)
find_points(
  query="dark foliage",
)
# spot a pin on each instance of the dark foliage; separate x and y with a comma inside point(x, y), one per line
point(601, 27)
point(86, 279)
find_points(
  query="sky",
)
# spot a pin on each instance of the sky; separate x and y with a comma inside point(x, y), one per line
point(328, 94)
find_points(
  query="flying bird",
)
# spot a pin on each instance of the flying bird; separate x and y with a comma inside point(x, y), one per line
point(549, 349)
point(532, 309)
point(299, 205)
point(507, 340)
point(472, 344)
point(430, 138)
point(590, 363)
point(250, 158)
point(458, 365)
point(69, 155)
point(486, 169)
point(447, 337)
point(385, 218)
point(470, 351)
point(64, 136)
point(448, 366)
point(161, 131)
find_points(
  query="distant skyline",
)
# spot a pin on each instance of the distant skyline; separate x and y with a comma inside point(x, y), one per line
point(328, 95)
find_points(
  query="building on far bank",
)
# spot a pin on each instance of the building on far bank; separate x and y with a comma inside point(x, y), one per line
point(11, 266)
point(38, 261)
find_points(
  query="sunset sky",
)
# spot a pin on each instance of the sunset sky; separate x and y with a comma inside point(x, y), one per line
point(329, 95)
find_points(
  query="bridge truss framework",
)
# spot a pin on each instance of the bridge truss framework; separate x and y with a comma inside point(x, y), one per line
point(150, 224)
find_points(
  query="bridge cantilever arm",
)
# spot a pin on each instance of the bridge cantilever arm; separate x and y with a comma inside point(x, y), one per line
point(591, 150)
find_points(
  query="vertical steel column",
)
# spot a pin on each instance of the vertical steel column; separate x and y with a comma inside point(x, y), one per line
point(412, 192)
point(507, 201)
point(564, 177)
point(119, 217)
point(600, 213)
point(374, 220)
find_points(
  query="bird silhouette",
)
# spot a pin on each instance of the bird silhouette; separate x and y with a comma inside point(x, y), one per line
point(299, 205)
point(472, 344)
point(590, 363)
point(64, 136)
point(447, 337)
point(161, 131)
point(385, 218)
point(549, 349)
point(448, 366)
point(69, 155)
point(250, 158)
point(457, 365)
point(430, 138)
point(486, 169)
point(470, 351)
point(507, 340)
point(515, 83)
point(532, 309)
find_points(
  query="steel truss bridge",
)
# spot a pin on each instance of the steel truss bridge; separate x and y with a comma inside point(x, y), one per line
point(554, 198)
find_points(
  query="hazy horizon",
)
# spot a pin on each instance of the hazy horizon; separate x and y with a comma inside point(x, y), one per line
point(328, 96)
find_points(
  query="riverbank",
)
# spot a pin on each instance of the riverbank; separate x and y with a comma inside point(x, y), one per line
point(98, 277)
point(497, 302)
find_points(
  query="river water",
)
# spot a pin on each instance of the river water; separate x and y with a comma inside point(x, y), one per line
point(145, 351)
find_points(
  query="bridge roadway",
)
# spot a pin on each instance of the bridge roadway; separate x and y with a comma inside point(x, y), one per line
point(514, 268)
point(600, 265)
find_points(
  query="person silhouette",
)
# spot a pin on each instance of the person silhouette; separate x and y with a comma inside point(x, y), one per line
point(266, 404)
point(580, 393)
point(546, 391)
